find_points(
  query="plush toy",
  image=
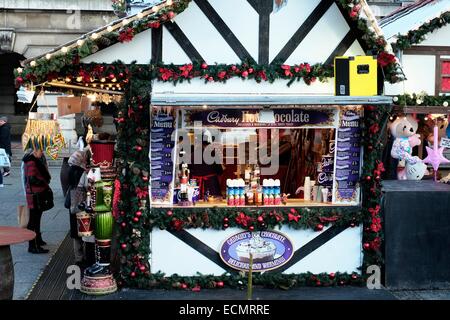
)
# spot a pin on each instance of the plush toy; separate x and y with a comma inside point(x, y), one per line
point(404, 130)
point(413, 171)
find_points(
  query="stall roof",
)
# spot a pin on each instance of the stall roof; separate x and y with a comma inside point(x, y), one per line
point(189, 99)
point(411, 17)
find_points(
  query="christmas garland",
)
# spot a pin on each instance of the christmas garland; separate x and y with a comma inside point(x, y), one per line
point(45, 68)
point(421, 99)
point(254, 219)
point(375, 124)
point(418, 35)
point(238, 281)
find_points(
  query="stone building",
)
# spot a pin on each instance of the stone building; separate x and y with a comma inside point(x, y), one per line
point(31, 27)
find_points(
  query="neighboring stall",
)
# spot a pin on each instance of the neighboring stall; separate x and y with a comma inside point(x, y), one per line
point(420, 35)
point(315, 221)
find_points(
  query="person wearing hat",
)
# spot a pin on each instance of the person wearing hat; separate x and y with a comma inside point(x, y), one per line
point(37, 181)
point(74, 197)
point(5, 141)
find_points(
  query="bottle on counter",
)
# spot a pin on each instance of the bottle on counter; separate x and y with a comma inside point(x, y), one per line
point(307, 189)
point(259, 196)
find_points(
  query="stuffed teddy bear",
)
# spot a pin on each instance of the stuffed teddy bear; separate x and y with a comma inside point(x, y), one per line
point(404, 129)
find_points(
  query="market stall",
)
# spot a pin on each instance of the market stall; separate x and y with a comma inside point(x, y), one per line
point(308, 214)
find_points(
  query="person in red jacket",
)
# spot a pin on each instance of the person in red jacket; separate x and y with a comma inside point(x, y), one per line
point(37, 179)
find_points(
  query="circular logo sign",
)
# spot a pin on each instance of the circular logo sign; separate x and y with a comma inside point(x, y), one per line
point(269, 249)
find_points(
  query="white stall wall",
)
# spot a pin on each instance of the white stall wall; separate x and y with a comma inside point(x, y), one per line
point(440, 37)
point(139, 49)
point(420, 74)
point(170, 255)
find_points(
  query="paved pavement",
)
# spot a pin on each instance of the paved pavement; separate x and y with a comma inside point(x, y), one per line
point(55, 225)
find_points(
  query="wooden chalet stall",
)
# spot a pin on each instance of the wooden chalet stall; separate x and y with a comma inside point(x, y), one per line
point(241, 72)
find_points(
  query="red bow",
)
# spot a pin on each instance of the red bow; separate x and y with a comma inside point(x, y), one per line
point(293, 217)
point(242, 219)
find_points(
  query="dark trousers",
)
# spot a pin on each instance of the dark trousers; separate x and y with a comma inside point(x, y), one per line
point(34, 224)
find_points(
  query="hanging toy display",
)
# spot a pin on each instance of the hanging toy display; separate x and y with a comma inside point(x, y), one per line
point(42, 132)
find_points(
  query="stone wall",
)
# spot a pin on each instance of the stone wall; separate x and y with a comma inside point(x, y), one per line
point(39, 26)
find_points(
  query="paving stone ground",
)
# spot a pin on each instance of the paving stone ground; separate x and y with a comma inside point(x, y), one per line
point(55, 225)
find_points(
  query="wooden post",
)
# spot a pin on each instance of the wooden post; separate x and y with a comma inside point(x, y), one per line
point(250, 285)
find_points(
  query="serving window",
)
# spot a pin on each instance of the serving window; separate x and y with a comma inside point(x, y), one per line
point(296, 155)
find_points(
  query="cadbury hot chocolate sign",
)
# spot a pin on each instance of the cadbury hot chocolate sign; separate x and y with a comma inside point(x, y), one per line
point(269, 250)
point(250, 118)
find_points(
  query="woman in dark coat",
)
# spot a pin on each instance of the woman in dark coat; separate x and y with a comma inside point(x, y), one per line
point(37, 180)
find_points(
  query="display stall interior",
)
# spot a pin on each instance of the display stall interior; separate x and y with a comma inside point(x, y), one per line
point(235, 157)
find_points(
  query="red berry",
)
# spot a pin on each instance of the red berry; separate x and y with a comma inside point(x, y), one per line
point(225, 219)
point(260, 219)
point(319, 227)
point(124, 245)
point(183, 286)
point(245, 74)
point(210, 79)
point(352, 225)
point(250, 70)
point(368, 178)
point(139, 213)
point(142, 268)
point(170, 15)
point(112, 76)
point(122, 213)
point(219, 284)
point(318, 283)
point(169, 213)
point(332, 275)
point(135, 219)
point(366, 246)
point(233, 67)
point(225, 225)
point(251, 228)
point(145, 178)
point(133, 274)
point(204, 65)
point(354, 276)
point(124, 224)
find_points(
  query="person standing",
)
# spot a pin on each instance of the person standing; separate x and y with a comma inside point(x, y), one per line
point(75, 196)
point(5, 142)
point(37, 180)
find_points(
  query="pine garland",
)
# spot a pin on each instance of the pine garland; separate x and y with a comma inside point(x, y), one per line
point(419, 35)
point(421, 99)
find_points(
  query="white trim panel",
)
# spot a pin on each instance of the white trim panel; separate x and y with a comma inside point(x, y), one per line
point(284, 23)
point(322, 39)
point(139, 49)
point(170, 255)
point(204, 37)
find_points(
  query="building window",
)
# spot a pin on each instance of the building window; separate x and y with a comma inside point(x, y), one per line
point(445, 76)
